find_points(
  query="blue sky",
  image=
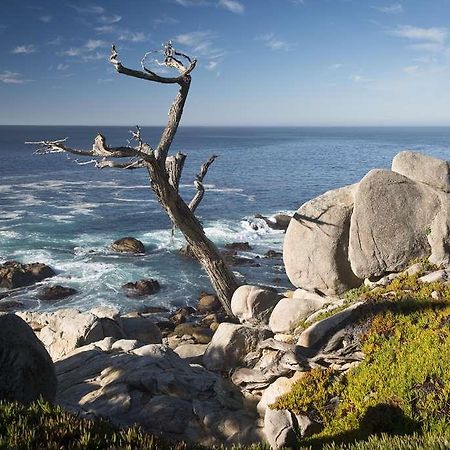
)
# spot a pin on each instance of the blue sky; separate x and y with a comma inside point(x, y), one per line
point(261, 62)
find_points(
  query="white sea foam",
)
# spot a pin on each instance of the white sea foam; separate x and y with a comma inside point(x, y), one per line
point(9, 215)
point(9, 234)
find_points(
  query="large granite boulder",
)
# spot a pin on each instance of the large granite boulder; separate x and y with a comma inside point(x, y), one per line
point(391, 221)
point(253, 304)
point(27, 370)
point(152, 386)
point(315, 250)
point(230, 344)
point(14, 274)
point(128, 245)
point(289, 313)
point(423, 169)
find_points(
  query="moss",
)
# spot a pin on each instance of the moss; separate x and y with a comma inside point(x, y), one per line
point(403, 385)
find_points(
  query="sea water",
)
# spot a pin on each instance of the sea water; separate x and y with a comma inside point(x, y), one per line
point(56, 211)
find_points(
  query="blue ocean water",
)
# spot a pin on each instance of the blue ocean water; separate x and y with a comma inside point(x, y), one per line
point(66, 215)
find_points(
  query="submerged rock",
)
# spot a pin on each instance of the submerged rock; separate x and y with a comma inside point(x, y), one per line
point(128, 245)
point(141, 288)
point(14, 274)
point(26, 368)
point(57, 292)
point(240, 246)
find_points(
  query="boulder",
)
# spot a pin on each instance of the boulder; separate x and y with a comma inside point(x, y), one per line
point(253, 304)
point(315, 249)
point(240, 246)
point(141, 288)
point(423, 169)
point(140, 328)
point(289, 313)
point(279, 222)
point(64, 330)
point(128, 245)
point(208, 303)
point(273, 254)
point(192, 353)
point(27, 370)
point(279, 429)
point(14, 274)
point(392, 219)
point(230, 344)
point(52, 293)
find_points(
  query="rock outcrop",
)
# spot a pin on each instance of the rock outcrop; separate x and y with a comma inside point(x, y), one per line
point(27, 370)
point(13, 274)
point(128, 245)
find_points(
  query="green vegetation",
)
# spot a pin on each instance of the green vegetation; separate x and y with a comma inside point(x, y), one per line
point(402, 386)
point(39, 426)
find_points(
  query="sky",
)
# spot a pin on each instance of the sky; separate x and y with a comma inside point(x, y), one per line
point(260, 62)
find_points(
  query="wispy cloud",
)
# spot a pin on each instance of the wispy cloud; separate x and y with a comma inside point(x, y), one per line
point(273, 42)
point(165, 20)
point(411, 70)
point(9, 77)
point(132, 36)
point(395, 8)
point(62, 67)
point(94, 44)
point(88, 9)
point(212, 65)
point(109, 20)
point(336, 66)
point(46, 18)
point(358, 78)
point(191, 2)
point(88, 51)
point(232, 5)
point(23, 50)
point(434, 34)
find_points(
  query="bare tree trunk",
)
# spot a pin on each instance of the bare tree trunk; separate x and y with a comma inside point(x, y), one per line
point(165, 171)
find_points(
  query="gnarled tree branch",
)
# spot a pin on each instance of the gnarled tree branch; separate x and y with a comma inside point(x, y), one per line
point(198, 183)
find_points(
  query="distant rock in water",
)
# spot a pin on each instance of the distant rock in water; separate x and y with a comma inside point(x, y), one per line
point(141, 288)
point(372, 228)
point(280, 222)
point(128, 245)
point(11, 305)
point(27, 370)
point(57, 292)
point(13, 274)
point(240, 246)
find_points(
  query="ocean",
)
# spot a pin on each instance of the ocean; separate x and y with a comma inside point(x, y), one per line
point(55, 211)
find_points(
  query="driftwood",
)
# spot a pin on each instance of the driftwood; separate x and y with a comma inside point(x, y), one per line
point(164, 171)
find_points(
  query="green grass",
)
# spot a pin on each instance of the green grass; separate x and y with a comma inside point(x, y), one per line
point(402, 386)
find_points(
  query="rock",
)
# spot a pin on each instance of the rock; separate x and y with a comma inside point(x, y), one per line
point(233, 259)
point(203, 335)
point(386, 202)
point(11, 305)
point(290, 312)
point(307, 427)
point(280, 222)
point(240, 246)
point(128, 245)
point(423, 169)
point(253, 304)
point(141, 288)
point(64, 330)
point(273, 254)
point(27, 370)
point(279, 429)
point(438, 275)
point(192, 353)
point(141, 329)
point(14, 274)
point(208, 303)
point(52, 293)
point(155, 388)
point(185, 328)
point(279, 387)
point(315, 250)
point(152, 309)
point(318, 331)
point(230, 344)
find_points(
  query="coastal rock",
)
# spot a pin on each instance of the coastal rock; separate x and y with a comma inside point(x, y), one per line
point(423, 169)
point(128, 245)
point(27, 370)
point(240, 246)
point(230, 344)
point(386, 202)
point(253, 304)
point(279, 429)
point(279, 222)
point(141, 329)
point(318, 331)
point(154, 387)
point(290, 312)
point(11, 305)
point(208, 303)
point(14, 274)
point(192, 353)
point(64, 330)
point(315, 249)
point(52, 293)
point(141, 288)
point(273, 254)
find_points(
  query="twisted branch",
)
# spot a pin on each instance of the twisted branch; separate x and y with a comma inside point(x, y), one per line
point(198, 183)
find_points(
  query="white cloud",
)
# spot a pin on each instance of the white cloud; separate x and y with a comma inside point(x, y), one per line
point(94, 44)
point(87, 52)
point(62, 67)
point(434, 34)
point(89, 9)
point(336, 66)
point(211, 65)
point(395, 8)
point(194, 38)
point(191, 2)
point(108, 20)
point(105, 29)
point(273, 42)
point(430, 47)
point(8, 77)
point(232, 5)
point(411, 70)
point(132, 36)
point(46, 19)
point(23, 50)
point(165, 20)
point(357, 78)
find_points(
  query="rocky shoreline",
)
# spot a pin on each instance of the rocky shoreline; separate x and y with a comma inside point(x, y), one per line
point(193, 375)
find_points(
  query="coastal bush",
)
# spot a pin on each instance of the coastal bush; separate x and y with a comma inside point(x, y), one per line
point(403, 384)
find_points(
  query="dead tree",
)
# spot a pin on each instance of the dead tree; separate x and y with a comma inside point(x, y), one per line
point(164, 171)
